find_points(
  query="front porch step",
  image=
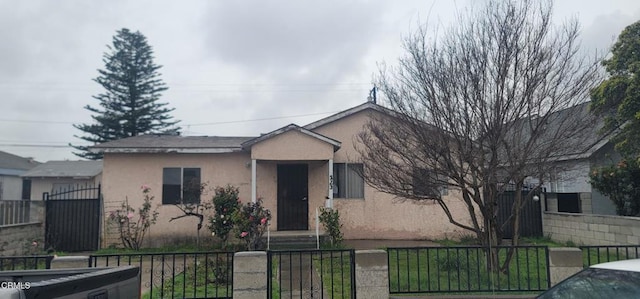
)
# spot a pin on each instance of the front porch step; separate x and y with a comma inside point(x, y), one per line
point(281, 240)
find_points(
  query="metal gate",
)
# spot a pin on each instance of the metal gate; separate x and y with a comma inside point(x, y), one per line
point(530, 216)
point(73, 218)
point(328, 273)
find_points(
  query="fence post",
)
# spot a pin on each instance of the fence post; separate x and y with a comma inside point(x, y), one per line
point(563, 262)
point(372, 274)
point(250, 275)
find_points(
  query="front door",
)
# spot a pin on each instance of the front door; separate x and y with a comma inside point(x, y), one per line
point(293, 203)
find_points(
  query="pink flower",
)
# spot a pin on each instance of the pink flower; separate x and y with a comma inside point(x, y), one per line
point(34, 244)
point(130, 215)
point(243, 234)
point(263, 221)
point(145, 188)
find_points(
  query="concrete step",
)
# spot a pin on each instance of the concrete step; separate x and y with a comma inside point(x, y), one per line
point(293, 240)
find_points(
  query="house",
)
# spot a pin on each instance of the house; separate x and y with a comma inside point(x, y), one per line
point(58, 176)
point(294, 169)
point(568, 189)
point(12, 187)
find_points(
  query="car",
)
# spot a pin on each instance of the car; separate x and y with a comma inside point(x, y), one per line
point(613, 280)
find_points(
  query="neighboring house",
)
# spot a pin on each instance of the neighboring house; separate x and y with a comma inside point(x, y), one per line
point(12, 187)
point(568, 188)
point(293, 169)
point(58, 176)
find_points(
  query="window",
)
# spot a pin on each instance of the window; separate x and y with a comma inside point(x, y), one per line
point(425, 184)
point(26, 189)
point(347, 181)
point(180, 185)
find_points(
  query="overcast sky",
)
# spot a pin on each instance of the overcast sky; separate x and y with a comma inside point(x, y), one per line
point(234, 68)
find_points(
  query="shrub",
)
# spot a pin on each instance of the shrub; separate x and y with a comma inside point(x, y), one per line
point(621, 183)
point(330, 219)
point(132, 227)
point(225, 204)
point(251, 221)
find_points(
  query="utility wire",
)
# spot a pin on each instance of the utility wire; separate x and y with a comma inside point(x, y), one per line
point(197, 124)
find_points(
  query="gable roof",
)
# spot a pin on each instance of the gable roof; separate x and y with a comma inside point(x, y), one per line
point(292, 127)
point(172, 144)
point(65, 169)
point(348, 112)
point(11, 164)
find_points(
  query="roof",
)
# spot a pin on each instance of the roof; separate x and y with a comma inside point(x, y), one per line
point(11, 164)
point(624, 265)
point(348, 112)
point(66, 169)
point(172, 144)
point(589, 141)
point(292, 127)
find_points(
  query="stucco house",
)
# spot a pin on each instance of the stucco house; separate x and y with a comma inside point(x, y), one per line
point(568, 188)
point(12, 186)
point(294, 169)
point(58, 176)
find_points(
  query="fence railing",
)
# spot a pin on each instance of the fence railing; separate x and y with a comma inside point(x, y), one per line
point(30, 262)
point(592, 255)
point(14, 211)
point(177, 275)
point(465, 269)
point(311, 274)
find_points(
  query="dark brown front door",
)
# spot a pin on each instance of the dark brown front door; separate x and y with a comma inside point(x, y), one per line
point(293, 203)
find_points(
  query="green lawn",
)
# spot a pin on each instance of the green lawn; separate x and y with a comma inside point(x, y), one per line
point(204, 280)
point(464, 269)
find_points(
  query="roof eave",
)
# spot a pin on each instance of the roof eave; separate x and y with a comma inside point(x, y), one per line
point(167, 150)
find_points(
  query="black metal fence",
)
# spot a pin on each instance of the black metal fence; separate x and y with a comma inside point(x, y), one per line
point(465, 269)
point(592, 255)
point(177, 275)
point(311, 274)
point(14, 211)
point(30, 262)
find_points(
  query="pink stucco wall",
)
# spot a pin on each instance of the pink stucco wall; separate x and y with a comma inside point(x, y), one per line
point(123, 174)
point(380, 215)
point(292, 146)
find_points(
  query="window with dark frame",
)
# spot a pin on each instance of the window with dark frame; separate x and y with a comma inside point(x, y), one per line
point(180, 185)
point(347, 180)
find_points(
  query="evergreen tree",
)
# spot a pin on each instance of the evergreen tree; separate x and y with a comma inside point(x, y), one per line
point(129, 106)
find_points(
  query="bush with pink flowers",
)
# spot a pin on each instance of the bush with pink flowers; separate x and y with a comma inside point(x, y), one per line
point(250, 224)
point(133, 224)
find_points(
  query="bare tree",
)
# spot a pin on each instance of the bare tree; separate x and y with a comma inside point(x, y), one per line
point(490, 104)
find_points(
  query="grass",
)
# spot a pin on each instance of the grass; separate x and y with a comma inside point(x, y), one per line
point(329, 271)
point(596, 255)
point(335, 274)
point(463, 270)
point(210, 279)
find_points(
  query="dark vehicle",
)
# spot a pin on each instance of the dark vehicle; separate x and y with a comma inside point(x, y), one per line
point(90, 283)
point(613, 280)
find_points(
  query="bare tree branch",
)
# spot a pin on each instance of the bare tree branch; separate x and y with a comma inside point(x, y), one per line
point(495, 101)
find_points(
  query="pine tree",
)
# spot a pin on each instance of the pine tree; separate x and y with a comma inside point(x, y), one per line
point(129, 106)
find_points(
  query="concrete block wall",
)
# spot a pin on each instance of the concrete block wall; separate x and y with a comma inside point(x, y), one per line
point(17, 239)
point(588, 229)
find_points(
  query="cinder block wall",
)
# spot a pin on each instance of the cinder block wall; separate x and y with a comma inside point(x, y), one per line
point(592, 229)
point(17, 239)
